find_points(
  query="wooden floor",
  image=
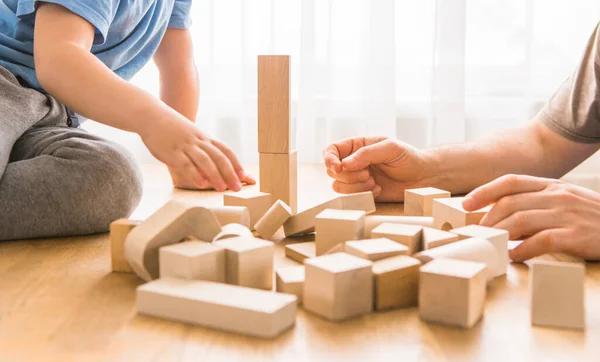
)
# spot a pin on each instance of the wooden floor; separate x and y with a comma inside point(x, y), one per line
point(59, 301)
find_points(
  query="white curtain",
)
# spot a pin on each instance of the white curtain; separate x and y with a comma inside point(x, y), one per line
point(427, 72)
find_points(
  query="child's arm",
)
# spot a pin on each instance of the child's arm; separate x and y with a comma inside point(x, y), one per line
point(67, 70)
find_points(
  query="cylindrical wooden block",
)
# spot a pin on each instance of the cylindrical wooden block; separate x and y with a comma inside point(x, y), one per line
point(372, 221)
point(233, 231)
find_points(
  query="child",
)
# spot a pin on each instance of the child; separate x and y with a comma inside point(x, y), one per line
point(60, 58)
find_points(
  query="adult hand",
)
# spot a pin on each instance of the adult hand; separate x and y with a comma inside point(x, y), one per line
point(378, 164)
point(551, 216)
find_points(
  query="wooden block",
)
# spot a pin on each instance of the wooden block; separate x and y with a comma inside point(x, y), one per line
point(452, 292)
point(418, 202)
point(279, 177)
point(119, 229)
point(407, 235)
point(169, 225)
point(432, 238)
point(375, 249)
point(304, 222)
point(273, 219)
point(359, 201)
point(338, 286)
point(373, 221)
point(290, 280)
point(249, 262)
point(193, 260)
point(233, 231)
point(252, 312)
point(257, 203)
point(275, 131)
point(396, 282)
point(338, 248)
point(449, 214)
point(557, 294)
point(232, 215)
point(300, 251)
point(473, 249)
point(498, 238)
point(336, 226)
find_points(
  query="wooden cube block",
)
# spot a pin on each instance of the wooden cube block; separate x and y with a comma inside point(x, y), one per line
point(304, 222)
point(375, 249)
point(290, 280)
point(257, 203)
point(396, 282)
point(301, 251)
point(232, 215)
point(407, 235)
point(193, 260)
point(273, 219)
point(336, 226)
point(359, 201)
point(169, 225)
point(233, 231)
point(452, 292)
point(252, 312)
point(373, 221)
point(119, 229)
point(276, 133)
point(557, 294)
point(249, 262)
point(432, 238)
point(449, 214)
point(338, 248)
point(498, 238)
point(338, 286)
point(418, 202)
point(279, 177)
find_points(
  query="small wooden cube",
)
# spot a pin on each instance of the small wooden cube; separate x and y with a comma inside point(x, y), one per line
point(290, 280)
point(449, 214)
point(452, 292)
point(557, 294)
point(418, 202)
point(432, 238)
point(257, 203)
point(336, 226)
point(279, 177)
point(119, 229)
point(273, 219)
point(301, 251)
point(498, 238)
point(193, 260)
point(338, 286)
point(232, 215)
point(249, 262)
point(375, 249)
point(396, 282)
point(407, 235)
point(359, 201)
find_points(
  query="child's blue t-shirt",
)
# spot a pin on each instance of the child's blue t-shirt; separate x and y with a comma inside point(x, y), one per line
point(128, 32)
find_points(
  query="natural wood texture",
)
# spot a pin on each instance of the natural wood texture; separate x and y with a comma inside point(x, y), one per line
point(304, 222)
point(290, 280)
point(373, 221)
point(498, 238)
point(452, 292)
point(449, 214)
point(216, 305)
point(407, 235)
point(59, 301)
point(249, 262)
point(273, 219)
point(193, 260)
point(374, 249)
point(418, 202)
point(257, 203)
point(557, 294)
point(337, 226)
point(432, 238)
point(232, 215)
point(396, 282)
point(359, 201)
point(119, 229)
point(301, 251)
point(279, 177)
point(232, 231)
point(275, 131)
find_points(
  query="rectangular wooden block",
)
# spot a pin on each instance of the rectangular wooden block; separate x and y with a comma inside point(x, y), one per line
point(273, 219)
point(300, 251)
point(232, 215)
point(557, 294)
point(373, 221)
point(290, 280)
point(230, 308)
point(276, 133)
point(304, 222)
point(407, 235)
point(338, 286)
point(193, 260)
point(375, 249)
point(279, 177)
point(359, 201)
point(418, 202)
point(452, 292)
point(249, 262)
point(257, 203)
point(337, 226)
point(119, 229)
point(396, 281)
point(449, 214)
point(498, 238)
point(432, 238)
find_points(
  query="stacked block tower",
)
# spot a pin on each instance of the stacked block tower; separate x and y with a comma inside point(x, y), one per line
point(278, 160)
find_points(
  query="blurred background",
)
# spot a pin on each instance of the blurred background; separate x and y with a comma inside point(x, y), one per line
point(427, 72)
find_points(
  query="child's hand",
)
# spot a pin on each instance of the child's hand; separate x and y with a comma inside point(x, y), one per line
point(195, 161)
